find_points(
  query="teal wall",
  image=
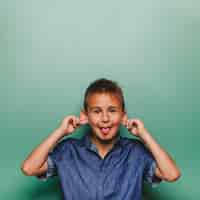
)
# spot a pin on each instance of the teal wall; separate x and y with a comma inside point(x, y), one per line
point(51, 50)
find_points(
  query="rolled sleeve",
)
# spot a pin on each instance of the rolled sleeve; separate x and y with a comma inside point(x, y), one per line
point(53, 156)
point(150, 176)
point(149, 167)
point(51, 170)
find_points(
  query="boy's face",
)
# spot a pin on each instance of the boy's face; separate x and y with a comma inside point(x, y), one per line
point(104, 114)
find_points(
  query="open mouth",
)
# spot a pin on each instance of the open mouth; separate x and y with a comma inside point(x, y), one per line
point(105, 130)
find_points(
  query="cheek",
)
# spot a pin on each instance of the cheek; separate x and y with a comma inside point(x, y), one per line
point(116, 120)
point(92, 120)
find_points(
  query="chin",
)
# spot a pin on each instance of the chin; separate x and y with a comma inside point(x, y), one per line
point(109, 138)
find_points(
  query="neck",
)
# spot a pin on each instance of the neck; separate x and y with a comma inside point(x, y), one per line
point(103, 147)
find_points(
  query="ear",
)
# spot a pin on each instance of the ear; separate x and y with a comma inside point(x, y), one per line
point(83, 117)
point(124, 119)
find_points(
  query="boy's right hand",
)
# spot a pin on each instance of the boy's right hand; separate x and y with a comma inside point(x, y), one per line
point(70, 124)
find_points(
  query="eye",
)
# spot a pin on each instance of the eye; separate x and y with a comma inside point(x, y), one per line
point(96, 111)
point(113, 110)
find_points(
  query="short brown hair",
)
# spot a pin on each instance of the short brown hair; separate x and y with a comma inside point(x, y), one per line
point(103, 85)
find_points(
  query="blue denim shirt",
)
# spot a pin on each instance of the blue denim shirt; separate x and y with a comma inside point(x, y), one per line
point(83, 174)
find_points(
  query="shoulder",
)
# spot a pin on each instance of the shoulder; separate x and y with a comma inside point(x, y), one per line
point(63, 145)
point(132, 142)
point(63, 148)
point(135, 144)
point(66, 143)
point(138, 151)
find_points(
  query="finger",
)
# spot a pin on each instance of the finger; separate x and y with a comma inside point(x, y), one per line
point(138, 121)
point(70, 120)
point(77, 120)
point(129, 124)
point(134, 123)
point(73, 121)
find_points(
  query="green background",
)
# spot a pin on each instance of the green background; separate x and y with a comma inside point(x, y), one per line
point(51, 50)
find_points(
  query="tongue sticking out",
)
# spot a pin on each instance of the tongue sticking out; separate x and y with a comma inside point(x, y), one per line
point(105, 130)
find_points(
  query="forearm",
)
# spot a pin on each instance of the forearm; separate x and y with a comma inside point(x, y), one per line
point(39, 155)
point(165, 163)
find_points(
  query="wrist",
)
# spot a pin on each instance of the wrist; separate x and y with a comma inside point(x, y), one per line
point(144, 134)
point(59, 133)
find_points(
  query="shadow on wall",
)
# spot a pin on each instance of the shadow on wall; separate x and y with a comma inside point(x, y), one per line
point(152, 194)
point(46, 190)
point(36, 190)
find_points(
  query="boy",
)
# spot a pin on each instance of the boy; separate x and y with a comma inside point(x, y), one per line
point(102, 164)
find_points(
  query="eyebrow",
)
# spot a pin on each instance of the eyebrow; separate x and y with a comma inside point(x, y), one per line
point(97, 107)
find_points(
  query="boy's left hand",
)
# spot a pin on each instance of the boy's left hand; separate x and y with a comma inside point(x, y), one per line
point(135, 126)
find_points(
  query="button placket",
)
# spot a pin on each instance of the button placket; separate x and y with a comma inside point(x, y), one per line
point(101, 180)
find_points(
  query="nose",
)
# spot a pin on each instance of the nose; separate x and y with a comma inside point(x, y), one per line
point(105, 117)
